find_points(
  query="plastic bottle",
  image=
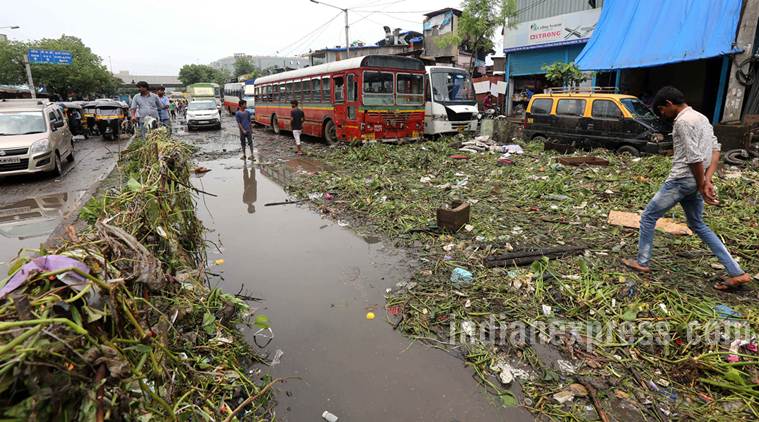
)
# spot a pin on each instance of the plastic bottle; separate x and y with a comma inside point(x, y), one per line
point(329, 417)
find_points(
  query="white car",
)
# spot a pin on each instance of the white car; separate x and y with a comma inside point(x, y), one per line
point(203, 113)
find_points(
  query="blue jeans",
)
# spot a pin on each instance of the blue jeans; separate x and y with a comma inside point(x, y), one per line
point(685, 192)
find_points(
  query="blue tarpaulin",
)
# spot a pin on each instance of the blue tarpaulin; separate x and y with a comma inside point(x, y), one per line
point(642, 33)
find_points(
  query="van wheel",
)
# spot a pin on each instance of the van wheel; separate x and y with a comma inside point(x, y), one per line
point(539, 138)
point(58, 169)
point(275, 124)
point(330, 132)
point(70, 158)
point(628, 149)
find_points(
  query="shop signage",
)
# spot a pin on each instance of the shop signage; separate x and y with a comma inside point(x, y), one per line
point(571, 28)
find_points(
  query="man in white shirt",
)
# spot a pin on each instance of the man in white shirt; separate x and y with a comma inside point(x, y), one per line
point(689, 183)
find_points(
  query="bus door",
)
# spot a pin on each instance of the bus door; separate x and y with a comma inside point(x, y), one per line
point(352, 125)
point(338, 99)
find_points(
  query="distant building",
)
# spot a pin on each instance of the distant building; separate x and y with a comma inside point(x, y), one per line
point(265, 63)
point(171, 82)
point(396, 42)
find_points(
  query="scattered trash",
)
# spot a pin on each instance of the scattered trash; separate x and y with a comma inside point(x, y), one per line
point(458, 157)
point(201, 170)
point(461, 276)
point(342, 223)
point(455, 217)
point(578, 390)
point(469, 227)
point(45, 264)
point(555, 197)
point(277, 356)
point(564, 396)
point(271, 204)
point(583, 161)
point(717, 266)
point(504, 161)
point(329, 417)
point(726, 312)
point(219, 261)
point(546, 310)
point(468, 328)
point(370, 315)
point(328, 196)
point(632, 220)
point(526, 257)
point(565, 367)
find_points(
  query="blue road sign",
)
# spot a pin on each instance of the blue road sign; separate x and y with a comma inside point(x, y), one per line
point(49, 57)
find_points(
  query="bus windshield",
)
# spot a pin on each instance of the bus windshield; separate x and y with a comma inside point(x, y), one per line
point(378, 88)
point(452, 86)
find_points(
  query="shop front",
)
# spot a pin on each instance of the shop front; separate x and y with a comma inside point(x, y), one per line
point(531, 45)
point(636, 45)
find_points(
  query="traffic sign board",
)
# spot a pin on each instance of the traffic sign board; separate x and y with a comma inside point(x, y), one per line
point(49, 56)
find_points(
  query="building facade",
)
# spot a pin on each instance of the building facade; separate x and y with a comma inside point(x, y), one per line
point(262, 62)
point(543, 33)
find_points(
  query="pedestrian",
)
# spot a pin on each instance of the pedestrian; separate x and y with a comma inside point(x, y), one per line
point(163, 113)
point(296, 124)
point(689, 184)
point(173, 109)
point(243, 116)
point(145, 104)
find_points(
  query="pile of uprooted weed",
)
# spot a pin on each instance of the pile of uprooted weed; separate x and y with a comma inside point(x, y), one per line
point(690, 366)
point(127, 329)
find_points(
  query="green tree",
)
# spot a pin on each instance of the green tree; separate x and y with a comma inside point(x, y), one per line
point(193, 73)
point(564, 74)
point(477, 24)
point(245, 66)
point(86, 76)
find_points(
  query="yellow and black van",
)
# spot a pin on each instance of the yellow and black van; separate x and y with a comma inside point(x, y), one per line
point(596, 118)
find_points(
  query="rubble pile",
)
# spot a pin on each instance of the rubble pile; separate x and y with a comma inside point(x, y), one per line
point(597, 341)
point(116, 322)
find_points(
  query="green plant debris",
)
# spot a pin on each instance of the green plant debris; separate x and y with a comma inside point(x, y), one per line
point(538, 203)
point(142, 338)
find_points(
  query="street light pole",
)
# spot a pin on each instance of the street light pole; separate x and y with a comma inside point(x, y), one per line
point(347, 27)
point(2, 36)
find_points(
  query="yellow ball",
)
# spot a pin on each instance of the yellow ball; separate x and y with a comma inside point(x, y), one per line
point(370, 315)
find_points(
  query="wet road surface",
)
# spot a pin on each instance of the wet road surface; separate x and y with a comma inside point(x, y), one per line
point(32, 206)
point(318, 280)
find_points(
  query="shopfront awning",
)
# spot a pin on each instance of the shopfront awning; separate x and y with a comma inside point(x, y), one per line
point(642, 33)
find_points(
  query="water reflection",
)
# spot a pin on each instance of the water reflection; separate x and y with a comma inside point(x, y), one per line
point(250, 188)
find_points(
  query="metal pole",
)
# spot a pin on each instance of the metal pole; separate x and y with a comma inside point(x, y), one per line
point(347, 38)
point(29, 79)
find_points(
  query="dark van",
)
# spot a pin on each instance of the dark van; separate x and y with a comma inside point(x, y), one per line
point(588, 120)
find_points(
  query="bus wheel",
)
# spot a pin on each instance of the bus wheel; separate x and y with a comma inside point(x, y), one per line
point(275, 124)
point(330, 132)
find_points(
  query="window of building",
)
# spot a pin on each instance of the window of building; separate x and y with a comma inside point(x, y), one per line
point(570, 107)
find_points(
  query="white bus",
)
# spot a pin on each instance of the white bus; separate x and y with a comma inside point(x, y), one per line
point(451, 106)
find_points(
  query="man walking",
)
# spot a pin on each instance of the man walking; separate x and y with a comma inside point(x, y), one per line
point(296, 124)
point(243, 116)
point(163, 113)
point(689, 183)
point(145, 104)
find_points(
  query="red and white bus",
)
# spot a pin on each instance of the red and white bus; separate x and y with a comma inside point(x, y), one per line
point(359, 99)
point(232, 95)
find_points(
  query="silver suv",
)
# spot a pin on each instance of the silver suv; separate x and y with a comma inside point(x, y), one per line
point(34, 137)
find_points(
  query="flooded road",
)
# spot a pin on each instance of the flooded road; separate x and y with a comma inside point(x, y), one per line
point(318, 281)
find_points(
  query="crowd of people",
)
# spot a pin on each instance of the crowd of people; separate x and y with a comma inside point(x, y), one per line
point(147, 106)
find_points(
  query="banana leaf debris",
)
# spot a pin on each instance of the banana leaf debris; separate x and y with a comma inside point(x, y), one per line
point(589, 339)
point(116, 322)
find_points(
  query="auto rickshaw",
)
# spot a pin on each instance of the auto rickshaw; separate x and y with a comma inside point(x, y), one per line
point(109, 114)
point(75, 116)
point(89, 117)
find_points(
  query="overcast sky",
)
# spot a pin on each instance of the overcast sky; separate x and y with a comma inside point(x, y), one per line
point(157, 37)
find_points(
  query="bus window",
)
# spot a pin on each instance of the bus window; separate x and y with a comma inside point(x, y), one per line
point(325, 91)
point(338, 89)
point(409, 89)
point(378, 88)
point(316, 91)
point(352, 88)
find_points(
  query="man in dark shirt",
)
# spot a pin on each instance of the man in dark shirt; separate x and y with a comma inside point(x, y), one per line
point(243, 116)
point(296, 124)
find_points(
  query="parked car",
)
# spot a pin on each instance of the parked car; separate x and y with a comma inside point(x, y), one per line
point(34, 137)
point(596, 119)
point(203, 113)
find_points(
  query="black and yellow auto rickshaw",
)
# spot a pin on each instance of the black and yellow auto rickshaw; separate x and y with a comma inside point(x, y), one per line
point(75, 116)
point(109, 115)
point(89, 117)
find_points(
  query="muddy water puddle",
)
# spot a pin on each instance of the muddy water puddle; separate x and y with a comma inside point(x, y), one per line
point(318, 281)
point(29, 222)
